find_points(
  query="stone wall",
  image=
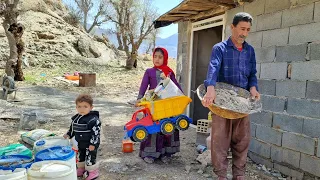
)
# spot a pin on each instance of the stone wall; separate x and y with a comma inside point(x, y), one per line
point(285, 135)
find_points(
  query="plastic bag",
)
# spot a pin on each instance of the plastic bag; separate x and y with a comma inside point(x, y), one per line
point(15, 149)
point(167, 88)
point(48, 142)
point(34, 135)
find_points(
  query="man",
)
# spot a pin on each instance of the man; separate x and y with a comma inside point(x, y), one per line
point(232, 61)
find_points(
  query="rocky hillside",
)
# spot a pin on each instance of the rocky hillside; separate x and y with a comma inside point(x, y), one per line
point(49, 38)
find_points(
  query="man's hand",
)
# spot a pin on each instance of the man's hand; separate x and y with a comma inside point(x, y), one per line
point(209, 97)
point(91, 148)
point(66, 136)
point(254, 93)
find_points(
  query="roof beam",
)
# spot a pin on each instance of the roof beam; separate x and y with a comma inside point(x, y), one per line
point(186, 12)
point(222, 1)
point(218, 10)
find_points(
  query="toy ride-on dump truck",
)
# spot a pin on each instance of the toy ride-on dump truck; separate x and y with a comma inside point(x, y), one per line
point(158, 116)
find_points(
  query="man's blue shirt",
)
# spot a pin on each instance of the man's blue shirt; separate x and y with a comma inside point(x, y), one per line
point(232, 66)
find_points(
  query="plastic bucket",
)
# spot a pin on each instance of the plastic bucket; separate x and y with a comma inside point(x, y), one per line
point(12, 162)
point(17, 174)
point(60, 153)
point(52, 170)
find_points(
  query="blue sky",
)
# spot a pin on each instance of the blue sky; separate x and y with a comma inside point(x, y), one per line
point(163, 6)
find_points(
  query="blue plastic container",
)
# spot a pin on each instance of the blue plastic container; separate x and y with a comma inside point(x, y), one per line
point(11, 162)
point(63, 153)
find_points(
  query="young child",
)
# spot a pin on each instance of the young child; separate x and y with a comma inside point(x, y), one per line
point(85, 127)
point(158, 145)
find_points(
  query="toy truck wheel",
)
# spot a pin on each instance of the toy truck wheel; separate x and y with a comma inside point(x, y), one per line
point(167, 128)
point(140, 134)
point(131, 138)
point(182, 124)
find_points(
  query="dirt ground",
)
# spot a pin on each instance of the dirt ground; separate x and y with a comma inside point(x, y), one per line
point(53, 100)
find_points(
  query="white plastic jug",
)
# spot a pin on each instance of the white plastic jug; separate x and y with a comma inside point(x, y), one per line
point(17, 174)
point(52, 170)
point(74, 143)
point(48, 142)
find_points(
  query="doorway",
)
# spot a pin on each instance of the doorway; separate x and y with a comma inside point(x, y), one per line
point(203, 41)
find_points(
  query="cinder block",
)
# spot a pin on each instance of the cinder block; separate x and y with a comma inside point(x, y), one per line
point(274, 71)
point(262, 118)
point(310, 164)
point(255, 39)
point(203, 126)
point(317, 12)
point(254, 24)
point(287, 123)
point(304, 107)
point(230, 14)
point(299, 142)
point(265, 54)
point(255, 8)
point(260, 160)
point(269, 21)
point(269, 135)
point(276, 37)
point(276, 5)
point(291, 53)
point(311, 127)
point(302, 2)
point(299, 15)
point(267, 87)
point(290, 88)
point(260, 148)
point(313, 90)
point(304, 33)
point(314, 51)
point(253, 128)
point(273, 103)
point(306, 71)
point(284, 155)
point(289, 172)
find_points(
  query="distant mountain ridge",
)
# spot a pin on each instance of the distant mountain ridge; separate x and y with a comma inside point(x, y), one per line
point(170, 43)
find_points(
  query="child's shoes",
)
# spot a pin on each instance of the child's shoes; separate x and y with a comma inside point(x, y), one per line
point(92, 172)
point(80, 169)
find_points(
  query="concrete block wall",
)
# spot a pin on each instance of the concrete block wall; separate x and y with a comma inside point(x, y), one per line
point(182, 72)
point(285, 35)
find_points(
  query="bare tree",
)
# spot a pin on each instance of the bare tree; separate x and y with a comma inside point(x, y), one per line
point(151, 40)
point(14, 32)
point(134, 22)
point(87, 10)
